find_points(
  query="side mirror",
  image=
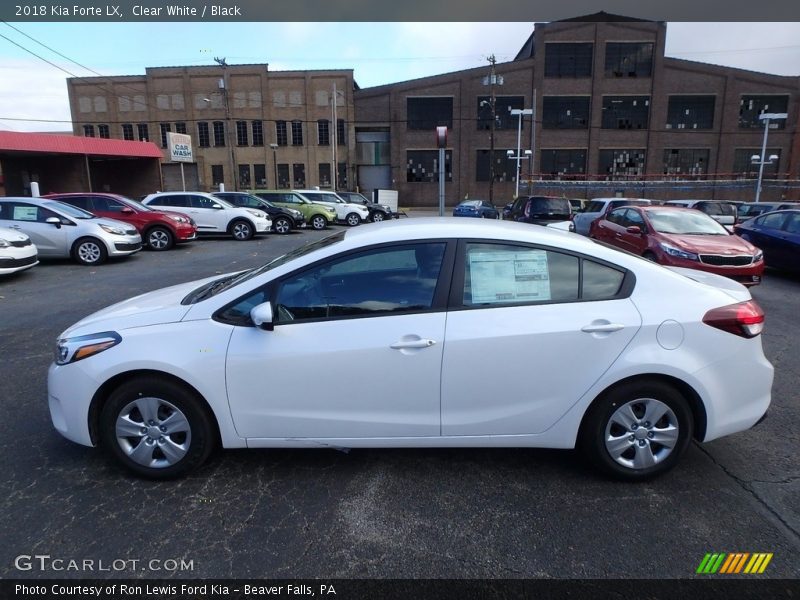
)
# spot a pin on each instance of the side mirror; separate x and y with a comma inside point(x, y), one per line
point(261, 314)
point(634, 229)
point(54, 221)
point(217, 206)
point(127, 210)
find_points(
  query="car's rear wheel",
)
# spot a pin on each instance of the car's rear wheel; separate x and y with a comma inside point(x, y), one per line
point(638, 430)
point(352, 219)
point(241, 230)
point(89, 252)
point(160, 238)
point(377, 217)
point(157, 428)
point(319, 222)
point(282, 225)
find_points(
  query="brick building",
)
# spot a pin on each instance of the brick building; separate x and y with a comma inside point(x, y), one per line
point(249, 126)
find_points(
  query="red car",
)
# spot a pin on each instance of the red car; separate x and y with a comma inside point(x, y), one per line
point(160, 230)
point(680, 237)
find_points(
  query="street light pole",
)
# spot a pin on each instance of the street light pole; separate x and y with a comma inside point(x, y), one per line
point(491, 81)
point(519, 112)
point(762, 160)
point(275, 163)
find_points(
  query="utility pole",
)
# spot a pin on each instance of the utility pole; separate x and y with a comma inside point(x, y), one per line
point(332, 133)
point(492, 104)
point(224, 87)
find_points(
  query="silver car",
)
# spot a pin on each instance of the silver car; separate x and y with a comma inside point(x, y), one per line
point(60, 230)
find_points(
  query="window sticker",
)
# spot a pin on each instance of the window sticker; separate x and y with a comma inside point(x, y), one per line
point(501, 277)
point(26, 213)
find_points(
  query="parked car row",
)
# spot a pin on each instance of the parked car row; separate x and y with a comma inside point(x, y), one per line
point(91, 227)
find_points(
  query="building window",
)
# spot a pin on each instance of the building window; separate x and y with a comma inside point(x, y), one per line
point(341, 132)
point(423, 165)
point(258, 133)
point(686, 162)
point(217, 175)
point(241, 133)
point(127, 131)
point(626, 112)
point(565, 112)
point(283, 177)
point(568, 59)
point(281, 137)
point(505, 169)
point(341, 176)
point(260, 175)
point(743, 167)
point(629, 59)
point(219, 133)
point(142, 130)
point(180, 128)
point(203, 140)
point(325, 175)
point(622, 164)
point(298, 175)
point(297, 134)
point(165, 128)
point(690, 112)
point(88, 131)
point(752, 106)
point(103, 131)
point(558, 163)
point(429, 113)
point(244, 176)
point(323, 132)
point(502, 112)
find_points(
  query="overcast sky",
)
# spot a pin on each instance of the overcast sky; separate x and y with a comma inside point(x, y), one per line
point(379, 53)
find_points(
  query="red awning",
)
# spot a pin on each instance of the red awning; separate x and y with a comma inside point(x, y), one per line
point(45, 143)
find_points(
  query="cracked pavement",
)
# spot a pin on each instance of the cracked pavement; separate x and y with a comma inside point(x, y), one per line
point(456, 513)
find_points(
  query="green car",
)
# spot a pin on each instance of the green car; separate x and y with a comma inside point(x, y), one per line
point(317, 216)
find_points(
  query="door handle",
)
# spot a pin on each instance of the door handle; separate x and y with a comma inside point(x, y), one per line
point(13, 226)
point(412, 344)
point(602, 328)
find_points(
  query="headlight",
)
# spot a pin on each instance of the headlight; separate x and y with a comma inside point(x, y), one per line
point(178, 219)
point(756, 257)
point(678, 253)
point(257, 213)
point(112, 230)
point(69, 350)
point(4, 243)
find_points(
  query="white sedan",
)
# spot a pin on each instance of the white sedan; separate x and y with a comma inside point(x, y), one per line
point(440, 307)
point(17, 252)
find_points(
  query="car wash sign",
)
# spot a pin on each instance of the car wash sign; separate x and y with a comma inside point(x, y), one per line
point(180, 147)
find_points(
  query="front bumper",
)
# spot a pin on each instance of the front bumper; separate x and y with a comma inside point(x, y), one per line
point(17, 259)
point(69, 394)
point(262, 225)
point(123, 245)
point(745, 274)
point(185, 232)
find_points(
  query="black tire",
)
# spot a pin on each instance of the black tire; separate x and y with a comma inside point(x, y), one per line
point(352, 219)
point(318, 222)
point(378, 216)
point(602, 422)
point(282, 225)
point(89, 252)
point(650, 256)
point(159, 239)
point(241, 230)
point(198, 442)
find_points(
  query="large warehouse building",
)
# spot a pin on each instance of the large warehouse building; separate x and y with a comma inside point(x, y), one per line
point(612, 114)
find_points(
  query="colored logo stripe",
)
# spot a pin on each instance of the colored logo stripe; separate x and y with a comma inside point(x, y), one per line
point(733, 563)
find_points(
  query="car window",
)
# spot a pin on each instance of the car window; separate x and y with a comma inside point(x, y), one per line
point(379, 281)
point(508, 274)
point(102, 203)
point(79, 201)
point(178, 200)
point(792, 224)
point(544, 206)
point(772, 220)
point(634, 219)
point(617, 216)
point(203, 202)
point(22, 211)
point(595, 206)
point(600, 282)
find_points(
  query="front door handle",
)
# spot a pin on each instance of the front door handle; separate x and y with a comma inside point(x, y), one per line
point(602, 328)
point(13, 226)
point(420, 343)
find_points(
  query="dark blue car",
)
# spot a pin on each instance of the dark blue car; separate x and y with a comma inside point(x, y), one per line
point(778, 235)
point(481, 209)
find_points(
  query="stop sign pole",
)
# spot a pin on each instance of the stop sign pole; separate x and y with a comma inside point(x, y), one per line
point(441, 142)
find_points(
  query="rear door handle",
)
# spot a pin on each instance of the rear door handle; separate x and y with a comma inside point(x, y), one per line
point(412, 344)
point(602, 328)
point(13, 226)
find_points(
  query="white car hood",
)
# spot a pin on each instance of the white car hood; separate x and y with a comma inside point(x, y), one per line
point(152, 308)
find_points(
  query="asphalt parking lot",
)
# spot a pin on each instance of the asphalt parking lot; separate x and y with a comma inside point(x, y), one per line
point(483, 513)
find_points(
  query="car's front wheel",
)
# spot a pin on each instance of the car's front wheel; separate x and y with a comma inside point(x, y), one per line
point(241, 230)
point(156, 428)
point(352, 219)
point(377, 216)
point(282, 225)
point(319, 222)
point(638, 430)
point(160, 238)
point(89, 252)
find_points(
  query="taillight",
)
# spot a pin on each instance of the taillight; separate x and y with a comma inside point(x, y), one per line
point(745, 319)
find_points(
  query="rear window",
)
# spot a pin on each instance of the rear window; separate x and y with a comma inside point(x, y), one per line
point(545, 206)
point(717, 208)
point(595, 207)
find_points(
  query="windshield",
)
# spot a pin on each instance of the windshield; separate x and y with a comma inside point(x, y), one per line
point(69, 210)
point(323, 197)
point(686, 222)
point(137, 205)
point(718, 208)
point(207, 290)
